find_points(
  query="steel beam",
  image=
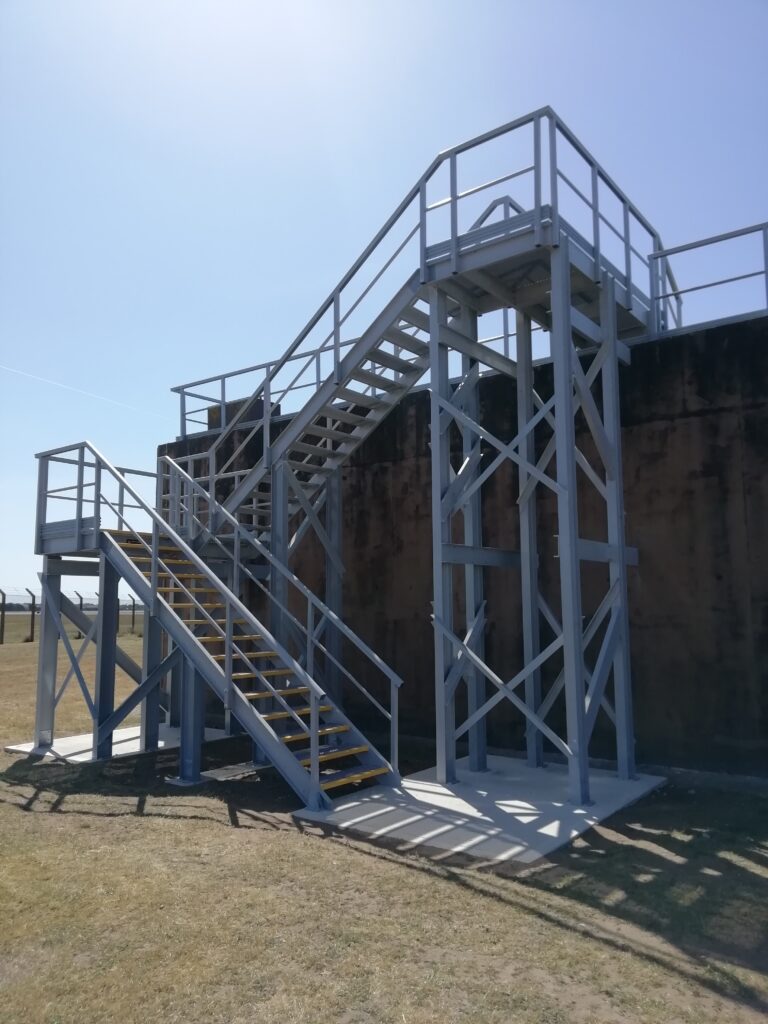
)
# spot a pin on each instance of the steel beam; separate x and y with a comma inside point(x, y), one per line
point(150, 706)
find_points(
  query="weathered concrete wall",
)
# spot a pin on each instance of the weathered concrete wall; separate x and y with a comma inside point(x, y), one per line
point(695, 440)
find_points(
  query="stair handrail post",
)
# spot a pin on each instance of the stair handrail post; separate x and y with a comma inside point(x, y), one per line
point(765, 262)
point(394, 725)
point(266, 411)
point(597, 276)
point(337, 335)
point(314, 737)
point(154, 566)
point(627, 254)
point(228, 645)
point(423, 230)
point(183, 413)
point(310, 638)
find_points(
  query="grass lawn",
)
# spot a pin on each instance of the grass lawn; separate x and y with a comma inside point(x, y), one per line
point(125, 900)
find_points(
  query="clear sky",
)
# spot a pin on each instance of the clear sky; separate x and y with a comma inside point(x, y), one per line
point(183, 181)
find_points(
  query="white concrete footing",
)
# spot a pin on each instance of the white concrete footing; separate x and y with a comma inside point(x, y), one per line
point(79, 749)
point(510, 813)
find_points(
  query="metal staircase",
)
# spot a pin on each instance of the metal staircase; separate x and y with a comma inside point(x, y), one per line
point(227, 517)
point(269, 691)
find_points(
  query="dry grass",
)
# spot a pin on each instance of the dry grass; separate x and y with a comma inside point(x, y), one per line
point(125, 900)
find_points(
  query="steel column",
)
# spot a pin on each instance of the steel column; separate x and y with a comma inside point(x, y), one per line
point(567, 520)
point(192, 726)
point(106, 650)
point(47, 661)
point(529, 559)
point(150, 706)
point(445, 712)
point(622, 685)
point(279, 538)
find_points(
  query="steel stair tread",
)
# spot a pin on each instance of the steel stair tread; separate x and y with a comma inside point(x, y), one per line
point(264, 694)
point(305, 759)
point(328, 730)
point(351, 776)
point(303, 712)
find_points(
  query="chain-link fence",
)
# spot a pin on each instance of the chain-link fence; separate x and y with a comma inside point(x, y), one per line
point(20, 613)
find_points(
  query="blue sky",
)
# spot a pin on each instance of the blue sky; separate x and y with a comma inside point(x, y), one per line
point(182, 183)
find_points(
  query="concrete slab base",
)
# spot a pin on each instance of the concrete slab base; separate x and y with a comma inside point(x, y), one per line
point(509, 813)
point(125, 742)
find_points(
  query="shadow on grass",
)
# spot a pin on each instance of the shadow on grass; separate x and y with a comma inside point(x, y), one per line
point(679, 880)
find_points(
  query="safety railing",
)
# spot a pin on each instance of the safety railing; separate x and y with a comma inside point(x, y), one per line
point(744, 252)
point(188, 508)
point(530, 174)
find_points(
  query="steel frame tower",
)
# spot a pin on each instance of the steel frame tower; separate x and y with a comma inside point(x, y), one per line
point(586, 379)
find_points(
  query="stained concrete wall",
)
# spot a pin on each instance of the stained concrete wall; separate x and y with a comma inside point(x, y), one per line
point(695, 449)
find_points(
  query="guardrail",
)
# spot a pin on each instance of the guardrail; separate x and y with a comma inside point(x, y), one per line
point(668, 303)
point(533, 169)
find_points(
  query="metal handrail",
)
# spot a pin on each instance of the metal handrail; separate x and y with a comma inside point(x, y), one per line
point(162, 527)
point(540, 118)
point(675, 292)
point(315, 606)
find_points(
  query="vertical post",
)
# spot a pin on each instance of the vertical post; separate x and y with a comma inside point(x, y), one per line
point(445, 712)
point(79, 498)
point(473, 574)
point(314, 737)
point(529, 559)
point(150, 706)
point(106, 648)
point(765, 264)
point(266, 410)
point(174, 694)
point(423, 231)
point(46, 660)
point(2, 616)
point(333, 583)
point(133, 614)
point(279, 545)
point(625, 740)
point(183, 414)
point(567, 517)
point(394, 725)
point(553, 180)
point(454, 214)
point(42, 503)
point(596, 220)
point(32, 613)
point(537, 180)
point(192, 726)
point(627, 257)
point(336, 336)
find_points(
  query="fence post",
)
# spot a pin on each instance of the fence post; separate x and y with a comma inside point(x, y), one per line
point(133, 615)
point(33, 608)
point(79, 597)
point(2, 616)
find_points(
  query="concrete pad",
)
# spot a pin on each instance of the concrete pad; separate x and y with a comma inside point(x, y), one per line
point(79, 749)
point(509, 813)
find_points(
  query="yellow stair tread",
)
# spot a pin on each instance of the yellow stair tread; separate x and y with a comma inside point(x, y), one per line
point(334, 755)
point(264, 672)
point(195, 604)
point(348, 780)
point(328, 730)
point(238, 639)
point(262, 694)
point(250, 654)
point(273, 716)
